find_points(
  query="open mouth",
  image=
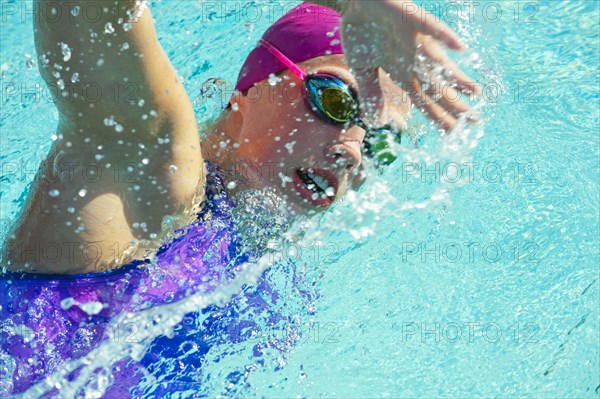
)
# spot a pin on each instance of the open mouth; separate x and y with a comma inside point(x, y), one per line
point(317, 186)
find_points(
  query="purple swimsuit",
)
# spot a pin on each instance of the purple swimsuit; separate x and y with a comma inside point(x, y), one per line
point(47, 320)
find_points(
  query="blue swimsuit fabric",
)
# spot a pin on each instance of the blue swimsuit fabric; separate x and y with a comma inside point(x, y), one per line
point(46, 319)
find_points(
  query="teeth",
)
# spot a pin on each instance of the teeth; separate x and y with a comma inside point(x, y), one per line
point(321, 182)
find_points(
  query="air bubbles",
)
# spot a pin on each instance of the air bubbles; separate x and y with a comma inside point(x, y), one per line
point(82, 193)
point(124, 46)
point(231, 185)
point(71, 209)
point(235, 107)
point(54, 193)
point(119, 128)
point(75, 78)
point(141, 103)
point(100, 62)
point(145, 161)
point(172, 169)
point(75, 11)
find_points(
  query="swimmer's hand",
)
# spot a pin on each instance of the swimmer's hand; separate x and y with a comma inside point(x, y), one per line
point(407, 42)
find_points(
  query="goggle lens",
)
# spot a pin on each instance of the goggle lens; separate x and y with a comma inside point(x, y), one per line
point(338, 104)
point(334, 101)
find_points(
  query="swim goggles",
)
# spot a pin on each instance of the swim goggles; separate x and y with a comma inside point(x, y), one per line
point(334, 102)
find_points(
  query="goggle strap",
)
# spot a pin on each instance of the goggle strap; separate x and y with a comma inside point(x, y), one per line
point(283, 59)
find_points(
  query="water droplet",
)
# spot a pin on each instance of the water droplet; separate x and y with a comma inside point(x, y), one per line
point(82, 192)
point(66, 51)
point(231, 185)
point(273, 80)
point(67, 303)
point(61, 84)
point(75, 11)
point(290, 147)
point(153, 236)
point(145, 161)
point(99, 157)
point(75, 78)
point(167, 222)
point(235, 107)
point(141, 103)
point(71, 209)
point(108, 28)
point(100, 62)
point(124, 46)
point(54, 193)
point(29, 62)
point(172, 169)
point(119, 128)
point(91, 308)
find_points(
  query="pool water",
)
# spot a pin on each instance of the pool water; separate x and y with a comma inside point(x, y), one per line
point(468, 268)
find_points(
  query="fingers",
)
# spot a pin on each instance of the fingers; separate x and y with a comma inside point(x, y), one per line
point(430, 25)
point(433, 110)
point(437, 55)
point(371, 96)
point(448, 98)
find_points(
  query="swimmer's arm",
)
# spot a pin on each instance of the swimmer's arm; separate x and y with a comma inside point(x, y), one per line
point(124, 112)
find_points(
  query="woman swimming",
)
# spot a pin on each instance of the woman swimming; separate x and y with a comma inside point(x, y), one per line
point(95, 221)
point(315, 139)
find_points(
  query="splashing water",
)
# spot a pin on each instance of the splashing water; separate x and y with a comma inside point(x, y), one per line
point(352, 300)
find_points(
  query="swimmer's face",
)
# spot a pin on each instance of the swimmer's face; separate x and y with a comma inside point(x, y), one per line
point(309, 160)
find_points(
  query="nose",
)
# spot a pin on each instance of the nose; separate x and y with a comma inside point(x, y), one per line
point(346, 155)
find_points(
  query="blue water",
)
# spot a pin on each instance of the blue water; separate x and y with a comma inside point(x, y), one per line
point(483, 284)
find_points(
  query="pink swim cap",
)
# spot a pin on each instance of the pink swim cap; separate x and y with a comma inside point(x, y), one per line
point(308, 31)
